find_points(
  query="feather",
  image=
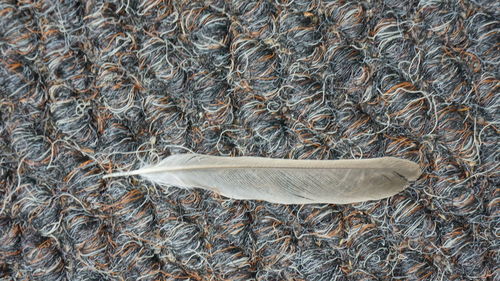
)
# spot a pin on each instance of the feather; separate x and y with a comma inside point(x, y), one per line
point(284, 181)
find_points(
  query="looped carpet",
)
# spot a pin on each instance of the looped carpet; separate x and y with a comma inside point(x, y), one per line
point(91, 87)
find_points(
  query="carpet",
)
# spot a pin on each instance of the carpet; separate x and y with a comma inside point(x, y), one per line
point(92, 87)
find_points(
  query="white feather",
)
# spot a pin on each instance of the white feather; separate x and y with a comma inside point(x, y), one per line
point(284, 181)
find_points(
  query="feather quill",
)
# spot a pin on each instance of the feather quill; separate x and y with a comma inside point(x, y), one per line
point(284, 181)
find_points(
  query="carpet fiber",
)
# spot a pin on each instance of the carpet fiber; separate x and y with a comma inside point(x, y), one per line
point(92, 87)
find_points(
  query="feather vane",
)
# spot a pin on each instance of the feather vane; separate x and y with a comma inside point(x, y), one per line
point(284, 181)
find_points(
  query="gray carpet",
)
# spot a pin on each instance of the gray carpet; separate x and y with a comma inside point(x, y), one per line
point(92, 87)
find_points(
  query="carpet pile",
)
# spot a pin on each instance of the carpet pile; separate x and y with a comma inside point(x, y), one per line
point(92, 87)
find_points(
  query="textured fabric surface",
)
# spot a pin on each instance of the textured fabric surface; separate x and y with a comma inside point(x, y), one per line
point(90, 87)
